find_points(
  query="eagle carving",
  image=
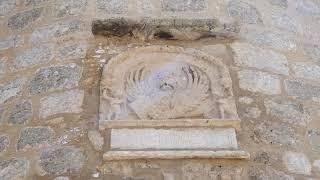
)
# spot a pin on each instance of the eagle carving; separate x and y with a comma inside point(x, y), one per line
point(171, 91)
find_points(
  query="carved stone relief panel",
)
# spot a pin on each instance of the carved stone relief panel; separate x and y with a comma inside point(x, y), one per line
point(166, 82)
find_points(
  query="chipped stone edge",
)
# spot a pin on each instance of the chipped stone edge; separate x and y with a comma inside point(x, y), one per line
point(133, 155)
point(118, 124)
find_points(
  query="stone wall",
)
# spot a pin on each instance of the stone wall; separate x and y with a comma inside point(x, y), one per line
point(49, 87)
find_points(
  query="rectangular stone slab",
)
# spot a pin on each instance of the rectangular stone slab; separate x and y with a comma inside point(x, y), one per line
point(131, 155)
point(177, 139)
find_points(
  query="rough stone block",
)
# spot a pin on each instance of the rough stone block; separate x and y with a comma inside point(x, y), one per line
point(32, 137)
point(312, 52)
point(297, 163)
point(11, 89)
point(57, 161)
point(21, 113)
point(288, 111)
point(306, 70)
point(282, 21)
point(279, 3)
point(56, 30)
point(316, 164)
point(34, 56)
point(112, 6)
point(10, 42)
point(302, 90)
point(314, 139)
point(259, 82)
point(283, 41)
point(66, 102)
point(34, 2)
point(21, 20)
point(2, 113)
point(207, 171)
point(247, 55)
point(6, 6)
point(55, 78)
point(173, 139)
point(3, 66)
point(308, 7)
point(279, 134)
point(245, 12)
point(74, 51)
point(4, 142)
point(13, 169)
point(183, 5)
point(96, 139)
point(70, 7)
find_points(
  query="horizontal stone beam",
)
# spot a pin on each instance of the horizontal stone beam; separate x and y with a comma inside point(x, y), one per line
point(173, 29)
point(167, 123)
point(132, 155)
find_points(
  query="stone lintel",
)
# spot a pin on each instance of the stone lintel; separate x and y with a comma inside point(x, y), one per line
point(166, 28)
point(169, 123)
point(132, 155)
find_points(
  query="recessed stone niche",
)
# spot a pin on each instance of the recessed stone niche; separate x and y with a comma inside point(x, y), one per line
point(163, 101)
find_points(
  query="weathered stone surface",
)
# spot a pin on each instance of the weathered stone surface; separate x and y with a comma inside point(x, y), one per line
point(32, 137)
point(10, 42)
point(61, 178)
point(269, 174)
point(282, 21)
point(21, 20)
point(74, 51)
point(253, 112)
point(245, 100)
point(245, 12)
point(206, 171)
point(247, 55)
point(56, 30)
point(13, 169)
point(3, 66)
point(21, 113)
point(297, 163)
point(96, 139)
point(306, 70)
point(62, 160)
point(70, 7)
point(183, 5)
point(279, 134)
point(283, 41)
point(4, 142)
point(279, 3)
point(34, 2)
point(2, 113)
point(6, 6)
point(112, 6)
point(11, 89)
point(314, 139)
point(308, 7)
point(302, 90)
point(66, 102)
point(288, 111)
point(34, 56)
point(316, 164)
point(126, 139)
point(259, 82)
point(55, 78)
point(312, 51)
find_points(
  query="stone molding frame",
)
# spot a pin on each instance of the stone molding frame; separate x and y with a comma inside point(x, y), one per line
point(168, 93)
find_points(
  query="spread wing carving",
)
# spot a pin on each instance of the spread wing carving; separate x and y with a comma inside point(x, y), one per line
point(149, 100)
